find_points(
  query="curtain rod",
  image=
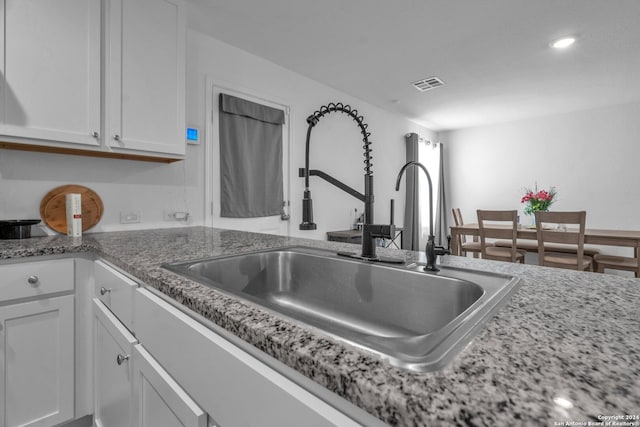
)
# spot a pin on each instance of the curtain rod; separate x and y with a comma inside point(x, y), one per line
point(427, 141)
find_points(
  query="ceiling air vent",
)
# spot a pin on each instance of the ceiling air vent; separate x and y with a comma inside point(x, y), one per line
point(428, 84)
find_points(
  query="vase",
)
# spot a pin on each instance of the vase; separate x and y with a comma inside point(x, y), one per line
point(533, 217)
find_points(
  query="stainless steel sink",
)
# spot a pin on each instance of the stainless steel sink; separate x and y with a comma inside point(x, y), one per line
point(416, 320)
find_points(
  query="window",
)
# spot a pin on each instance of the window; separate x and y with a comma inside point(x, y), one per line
point(429, 156)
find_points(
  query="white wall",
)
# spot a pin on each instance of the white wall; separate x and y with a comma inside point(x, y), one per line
point(150, 188)
point(336, 142)
point(123, 185)
point(590, 156)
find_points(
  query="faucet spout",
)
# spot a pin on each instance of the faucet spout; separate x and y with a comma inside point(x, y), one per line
point(431, 251)
point(426, 172)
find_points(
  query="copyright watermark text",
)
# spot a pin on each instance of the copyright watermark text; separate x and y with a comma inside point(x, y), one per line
point(625, 420)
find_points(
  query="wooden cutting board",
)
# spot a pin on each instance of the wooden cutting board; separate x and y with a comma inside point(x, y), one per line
point(53, 210)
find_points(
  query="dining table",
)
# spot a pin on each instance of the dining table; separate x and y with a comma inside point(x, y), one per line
point(593, 236)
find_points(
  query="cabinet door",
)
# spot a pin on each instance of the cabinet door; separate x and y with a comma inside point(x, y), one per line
point(36, 362)
point(113, 345)
point(146, 75)
point(159, 400)
point(50, 77)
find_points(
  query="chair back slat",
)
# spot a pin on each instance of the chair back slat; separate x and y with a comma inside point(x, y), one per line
point(457, 217)
point(457, 220)
point(494, 224)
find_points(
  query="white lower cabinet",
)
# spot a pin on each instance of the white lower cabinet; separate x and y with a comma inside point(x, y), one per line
point(130, 388)
point(37, 343)
point(161, 368)
point(36, 362)
point(113, 386)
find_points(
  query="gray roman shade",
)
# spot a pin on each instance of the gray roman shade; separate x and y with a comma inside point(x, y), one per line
point(251, 181)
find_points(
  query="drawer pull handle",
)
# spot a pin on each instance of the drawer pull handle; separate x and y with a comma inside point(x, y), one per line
point(33, 280)
point(104, 291)
point(120, 359)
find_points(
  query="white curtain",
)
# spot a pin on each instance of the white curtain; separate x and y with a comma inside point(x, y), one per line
point(442, 207)
point(429, 156)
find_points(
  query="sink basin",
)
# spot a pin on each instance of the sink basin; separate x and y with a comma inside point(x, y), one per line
point(414, 319)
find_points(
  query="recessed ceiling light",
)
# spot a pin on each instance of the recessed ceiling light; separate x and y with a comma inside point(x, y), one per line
point(563, 43)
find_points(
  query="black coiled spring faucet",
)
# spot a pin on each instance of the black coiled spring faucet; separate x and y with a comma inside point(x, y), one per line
point(370, 230)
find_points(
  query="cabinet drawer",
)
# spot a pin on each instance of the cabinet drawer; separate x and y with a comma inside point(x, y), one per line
point(222, 378)
point(115, 291)
point(35, 278)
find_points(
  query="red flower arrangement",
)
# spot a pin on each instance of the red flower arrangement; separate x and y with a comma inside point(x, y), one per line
point(538, 200)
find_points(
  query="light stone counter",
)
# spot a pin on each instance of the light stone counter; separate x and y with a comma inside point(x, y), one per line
point(564, 334)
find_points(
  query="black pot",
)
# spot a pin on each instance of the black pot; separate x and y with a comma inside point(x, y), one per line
point(16, 228)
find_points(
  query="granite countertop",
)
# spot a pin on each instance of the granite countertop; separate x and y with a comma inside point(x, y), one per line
point(564, 350)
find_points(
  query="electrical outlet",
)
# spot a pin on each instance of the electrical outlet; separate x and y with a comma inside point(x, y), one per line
point(130, 217)
point(181, 216)
point(169, 215)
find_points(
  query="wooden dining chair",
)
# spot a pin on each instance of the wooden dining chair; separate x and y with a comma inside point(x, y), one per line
point(499, 225)
point(464, 245)
point(614, 262)
point(548, 232)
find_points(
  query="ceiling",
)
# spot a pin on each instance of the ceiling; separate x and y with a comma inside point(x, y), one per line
point(493, 55)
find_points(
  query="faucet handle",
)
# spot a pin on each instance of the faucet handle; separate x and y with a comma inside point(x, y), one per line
point(440, 250)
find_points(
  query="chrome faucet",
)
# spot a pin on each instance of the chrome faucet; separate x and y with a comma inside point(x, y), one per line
point(370, 231)
point(431, 251)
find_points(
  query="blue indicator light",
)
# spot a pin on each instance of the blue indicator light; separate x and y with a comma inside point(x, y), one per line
point(192, 134)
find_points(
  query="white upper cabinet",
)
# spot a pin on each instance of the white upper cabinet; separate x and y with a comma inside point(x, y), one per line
point(50, 70)
point(146, 75)
point(73, 69)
